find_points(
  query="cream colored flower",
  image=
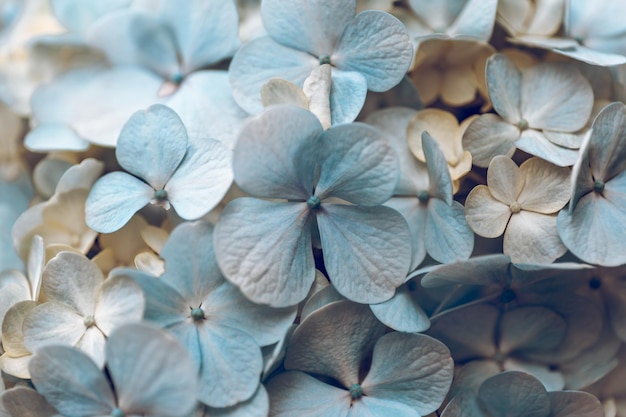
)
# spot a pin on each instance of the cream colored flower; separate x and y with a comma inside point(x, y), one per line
point(521, 202)
point(530, 17)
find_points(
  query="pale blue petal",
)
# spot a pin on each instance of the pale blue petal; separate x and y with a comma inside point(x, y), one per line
point(574, 404)
point(205, 30)
point(151, 372)
point(535, 143)
point(367, 250)
point(412, 369)
point(71, 382)
point(95, 103)
point(489, 136)
point(606, 150)
point(514, 394)
point(447, 237)
point(152, 145)
point(347, 95)
point(402, 313)
point(438, 173)
point(260, 60)
point(231, 365)
point(357, 164)
point(52, 137)
point(377, 45)
point(257, 406)
point(592, 56)
point(276, 155)
point(312, 27)
point(415, 214)
point(595, 230)
point(264, 248)
point(555, 96)
point(120, 301)
point(134, 38)
point(78, 16)
point(296, 393)
point(205, 104)
point(163, 304)
point(476, 20)
point(114, 199)
point(504, 83)
point(463, 405)
point(201, 180)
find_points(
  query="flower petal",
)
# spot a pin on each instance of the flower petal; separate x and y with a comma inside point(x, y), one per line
point(535, 143)
point(546, 187)
point(120, 301)
point(347, 95)
point(264, 248)
point(486, 216)
point(505, 179)
point(533, 237)
point(504, 82)
point(438, 173)
point(52, 323)
point(415, 214)
point(402, 313)
point(488, 136)
point(607, 144)
point(366, 250)
point(448, 238)
point(514, 394)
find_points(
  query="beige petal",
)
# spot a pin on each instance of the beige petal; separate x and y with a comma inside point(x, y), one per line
point(126, 242)
point(459, 86)
point(533, 238)
point(12, 334)
point(427, 81)
point(504, 179)
point(16, 366)
point(150, 263)
point(440, 124)
point(546, 186)
point(485, 215)
point(317, 89)
point(279, 91)
point(155, 237)
point(462, 167)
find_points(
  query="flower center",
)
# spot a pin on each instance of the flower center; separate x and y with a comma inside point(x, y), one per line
point(595, 283)
point(324, 59)
point(522, 124)
point(117, 413)
point(423, 196)
point(89, 321)
point(160, 195)
point(177, 78)
point(598, 186)
point(507, 296)
point(356, 391)
point(515, 207)
point(313, 202)
point(197, 314)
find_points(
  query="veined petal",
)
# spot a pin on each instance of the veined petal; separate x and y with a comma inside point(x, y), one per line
point(264, 248)
point(257, 406)
point(205, 31)
point(415, 214)
point(163, 304)
point(201, 180)
point(277, 153)
point(535, 143)
point(120, 301)
point(447, 236)
point(475, 20)
point(279, 91)
point(504, 179)
point(533, 237)
point(504, 82)
point(574, 404)
point(21, 401)
point(515, 394)
point(440, 180)
point(486, 216)
point(312, 27)
point(347, 95)
point(317, 88)
point(488, 136)
point(377, 45)
point(607, 145)
point(114, 199)
point(546, 187)
point(71, 382)
point(367, 250)
point(52, 323)
point(152, 145)
point(357, 165)
point(260, 60)
point(151, 372)
point(555, 96)
point(402, 313)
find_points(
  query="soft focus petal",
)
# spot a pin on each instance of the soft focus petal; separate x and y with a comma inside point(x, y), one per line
point(402, 313)
point(475, 20)
point(120, 301)
point(52, 324)
point(52, 137)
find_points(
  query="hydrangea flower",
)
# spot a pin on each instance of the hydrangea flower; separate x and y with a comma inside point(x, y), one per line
point(594, 225)
point(522, 203)
point(371, 51)
point(219, 327)
point(81, 308)
point(548, 96)
point(265, 247)
point(151, 374)
point(167, 167)
point(409, 374)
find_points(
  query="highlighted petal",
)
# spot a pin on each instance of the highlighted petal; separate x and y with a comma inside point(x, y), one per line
point(504, 82)
point(347, 95)
point(532, 237)
point(489, 136)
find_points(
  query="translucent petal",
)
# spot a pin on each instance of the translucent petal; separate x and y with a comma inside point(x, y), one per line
point(114, 199)
point(152, 145)
point(535, 143)
point(309, 27)
point(411, 369)
point(191, 21)
point(402, 313)
point(447, 236)
point(120, 301)
point(347, 95)
point(279, 91)
point(475, 20)
point(489, 136)
point(378, 46)
point(78, 16)
point(607, 144)
point(555, 96)
point(366, 250)
point(26, 402)
point(202, 179)
point(357, 165)
point(260, 60)
point(12, 333)
point(277, 153)
point(92, 343)
point(265, 249)
point(333, 341)
point(504, 82)
point(52, 323)
point(71, 382)
point(533, 237)
point(317, 88)
point(163, 304)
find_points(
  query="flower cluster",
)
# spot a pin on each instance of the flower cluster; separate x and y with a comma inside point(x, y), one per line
point(252, 208)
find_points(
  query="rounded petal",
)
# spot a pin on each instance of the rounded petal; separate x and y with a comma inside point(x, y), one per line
point(486, 216)
point(114, 199)
point(51, 137)
point(546, 186)
point(514, 394)
point(348, 90)
point(504, 82)
point(505, 180)
point(367, 250)
point(438, 173)
point(276, 154)
point(24, 401)
point(264, 248)
point(152, 145)
point(415, 214)
point(533, 237)
point(120, 301)
point(488, 136)
point(377, 45)
point(402, 313)
point(535, 143)
point(574, 404)
point(447, 236)
point(52, 323)
point(440, 124)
